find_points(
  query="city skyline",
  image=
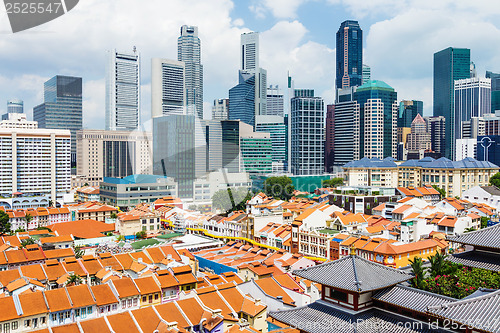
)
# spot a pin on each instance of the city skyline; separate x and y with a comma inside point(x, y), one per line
point(291, 38)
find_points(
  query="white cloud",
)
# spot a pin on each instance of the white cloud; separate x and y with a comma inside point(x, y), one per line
point(281, 9)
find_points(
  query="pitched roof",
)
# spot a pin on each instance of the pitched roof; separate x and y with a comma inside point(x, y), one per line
point(122, 322)
point(80, 296)
point(94, 325)
point(273, 288)
point(83, 228)
point(57, 299)
point(353, 273)
point(477, 259)
point(488, 237)
point(147, 319)
point(103, 294)
point(33, 304)
point(147, 285)
point(125, 287)
point(171, 312)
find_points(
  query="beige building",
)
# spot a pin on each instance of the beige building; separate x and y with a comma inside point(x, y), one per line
point(117, 154)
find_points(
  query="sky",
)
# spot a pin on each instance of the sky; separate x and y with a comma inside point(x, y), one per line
point(297, 36)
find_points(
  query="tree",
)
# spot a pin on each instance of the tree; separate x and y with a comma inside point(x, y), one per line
point(230, 200)
point(51, 203)
point(442, 192)
point(120, 238)
point(495, 180)
point(418, 271)
point(28, 218)
point(27, 241)
point(192, 207)
point(484, 222)
point(469, 229)
point(79, 252)
point(140, 235)
point(73, 280)
point(4, 222)
point(437, 264)
point(279, 187)
point(113, 215)
point(334, 182)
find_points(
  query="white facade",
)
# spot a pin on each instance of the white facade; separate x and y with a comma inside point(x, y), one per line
point(189, 52)
point(123, 84)
point(275, 102)
point(220, 109)
point(250, 64)
point(168, 93)
point(483, 194)
point(465, 148)
point(18, 120)
point(35, 161)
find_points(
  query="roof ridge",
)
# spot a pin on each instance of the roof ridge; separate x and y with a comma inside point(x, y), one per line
point(399, 285)
point(356, 280)
point(465, 301)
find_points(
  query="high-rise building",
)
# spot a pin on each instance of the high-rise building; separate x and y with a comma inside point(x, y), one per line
point(222, 142)
point(220, 109)
point(35, 162)
point(276, 127)
point(472, 99)
point(117, 154)
point(15, 106)
point(436, 126)
point(473, 127)
point(367, 74)
point(167, 87)
point(487, 150)
point(62, 107)
point(307, 133)
point(349, 55)
point(345, 108)
point(189, 52)
point(329, 137)
point(450, 64)
point(123, 91)
point(255, 151)
point(252, 79)
point(275, 102)
point(419, 138)
point(375, 121)
point(495, 90)
point(408, 110)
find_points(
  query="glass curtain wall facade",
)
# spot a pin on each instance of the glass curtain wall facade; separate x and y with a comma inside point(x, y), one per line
point(275, 126)
point(495, 90)
point(349, 55)
point(408, 110)
point(242, 99)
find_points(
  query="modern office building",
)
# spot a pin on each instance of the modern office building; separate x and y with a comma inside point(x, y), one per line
point(168, 92)
point(419, 138)
point(123, 91)
point(35, 162)
point(349, 55)
point(450, 64)
point(375, 121)
point(329, 137)
point(275, 102)
point(474, 127)
point(220, 109)
point(408, 110)
point(465, 148)
point(487, 148)
point(495, 90)
point(472, 100)
point(134, 189)
point(17, 120)
point(436, 127)
point(255, 151)
point(367, 74)
point(13, 106)
point(242, 99)
point(277, 128)
point(189, 52)
point(345, 108)
point(307, 133)
point(222, 141)
point(113, 154)
point(62, 107)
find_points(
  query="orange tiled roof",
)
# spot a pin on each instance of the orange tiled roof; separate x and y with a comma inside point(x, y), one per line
point(103, 294)
point(147, 285)
point(83, 228)
point(125, 287)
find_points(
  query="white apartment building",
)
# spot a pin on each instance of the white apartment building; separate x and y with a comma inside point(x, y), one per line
point(18, 120)
point(112, 154)
point(35, 162)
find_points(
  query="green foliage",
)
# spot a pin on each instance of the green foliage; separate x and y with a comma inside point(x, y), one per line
point(27, 241)
point(418, 271)
point(192, 207)
point(120, 238)
point(140, 235)
point(74, 280)
point(19, 230)
point(4, 222)
point(78, 252)
point(334, 182)
point(43, 228)
point(230, 200)
point(484, 222)
point(113, 215)
point(495, 180)
point(279, 187)
point(442, 192)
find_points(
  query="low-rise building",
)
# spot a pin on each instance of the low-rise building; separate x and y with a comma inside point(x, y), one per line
point(88, 193)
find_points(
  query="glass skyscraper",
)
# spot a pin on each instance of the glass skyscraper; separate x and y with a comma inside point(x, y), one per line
point(167, 87)
point(343, 132)
point(408, 110)
point(189, 51)
point(450, 64)
point(242, 99)
point(495, 90)
point(349, 55)
point(275, 125)
point(123, 80)
point(62, 107)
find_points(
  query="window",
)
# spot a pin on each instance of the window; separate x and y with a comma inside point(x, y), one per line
point(42, 320)
point(135, 301)
point(14, 325)
point(156, 297)
point(150, 298)
point(144, 299)
point(27, 323)
point(124, 304)
point(77, 312)
point(89, 310)
point(129, 302)
point(114, 307)
point(54, 317)
point(6, 327)
point(339, 295)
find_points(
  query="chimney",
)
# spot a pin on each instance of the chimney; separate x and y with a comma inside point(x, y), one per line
point(216, 312)
point(257, 301)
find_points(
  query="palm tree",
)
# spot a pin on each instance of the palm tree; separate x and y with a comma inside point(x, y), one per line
point(27, 241)
point(73, 280)
point(418, 271)
point(437, 264)
point(113, 215)
point(28, 218)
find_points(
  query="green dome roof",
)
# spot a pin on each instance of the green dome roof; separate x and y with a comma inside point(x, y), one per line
point(375, 84)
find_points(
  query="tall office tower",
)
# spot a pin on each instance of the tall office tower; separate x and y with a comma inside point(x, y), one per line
point(277, 128)
point(345, 107)
point(189, 52)
point(349, 55)
point(114, 154)
point(450, 64)
point(472, 99)
point(35, 162)
point(242, 99)
point(123, 91)
point(436, 126)
point(472, 71)
point(255, 151)
point(474, 127)
point(220, 109)
point(419, 138)
point(62, 107)
point(375, 121)
point(250, 67)
point(222, 142)
point(408, 110)
point(329, 137)
point(367, 74)
point(495, 90)
point(167, 87)
point(275, 102)
point(307, 132)
point(13, 106)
